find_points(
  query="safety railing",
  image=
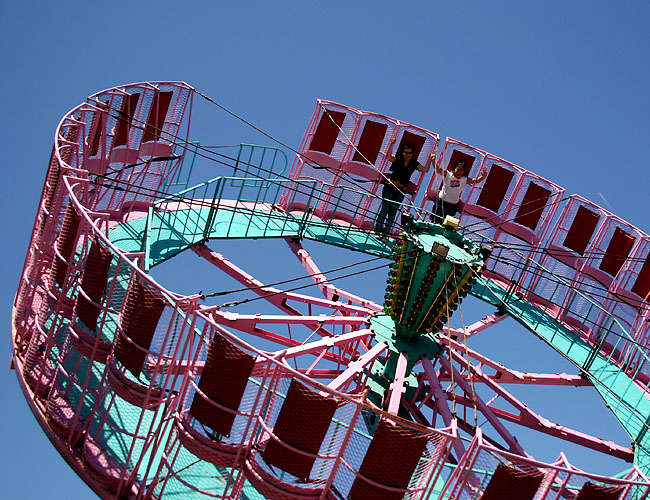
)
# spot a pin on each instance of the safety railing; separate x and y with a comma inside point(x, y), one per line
point(121, 419)
point(236, 207)
point(593, 346)
point(611, 335)
point(187, 201)
point(252, 162)
point(488, 471)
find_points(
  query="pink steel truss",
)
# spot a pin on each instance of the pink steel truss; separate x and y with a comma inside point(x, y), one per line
point(127, 390)
point(329, 290)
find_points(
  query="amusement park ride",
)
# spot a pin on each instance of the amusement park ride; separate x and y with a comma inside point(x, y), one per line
point(151, 394)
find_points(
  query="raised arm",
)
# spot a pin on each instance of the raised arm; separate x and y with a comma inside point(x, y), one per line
point(479, 178)
point(440, 170)
point(389, 151)
point(427, 164)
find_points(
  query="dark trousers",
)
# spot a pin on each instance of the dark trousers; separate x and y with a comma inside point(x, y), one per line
point(391, 197)
point(442, 209)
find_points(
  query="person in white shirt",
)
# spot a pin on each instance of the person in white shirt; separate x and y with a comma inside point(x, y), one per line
point(453, 183)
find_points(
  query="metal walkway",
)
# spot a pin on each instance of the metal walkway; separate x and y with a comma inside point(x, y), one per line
point(165, 232)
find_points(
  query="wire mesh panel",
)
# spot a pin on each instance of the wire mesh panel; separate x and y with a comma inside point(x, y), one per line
point(302, 424)
point(138, 321)
point(65, 244)
point(484, 208)
point(222, 384)
point(629, 293)
point(510, 482)
point(93, 283)
point(487, 472)
point(629, 296)
point(74, 392)
point(347, 148)
point(139, 126)
point(302, 434)
point(222, 392)
point(296, 459)
point(38, 252)
point(603, 260)
point(390, 458)
point(77, 376)
point(577, 226)
point(360, 168)
point(325, 145)
point(52, 301)
point(531, 211)
point(138, 389)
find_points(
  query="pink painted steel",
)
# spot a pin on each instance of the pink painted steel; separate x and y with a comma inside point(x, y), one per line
point(505, 375)
point(477, 327)
point(325, 344)
point(276, 296)
point(397, 389)
point(355, 368)
point(528, 418)
point(51, 347)
point(333, 166)
point(440, 402)
point(330, 291)
point(484, 408)
point(561, 479)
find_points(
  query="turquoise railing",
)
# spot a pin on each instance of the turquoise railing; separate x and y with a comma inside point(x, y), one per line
point(236, 207)
point(260, 162)
point(612, 377)
point(253, 163)
point(188, 154)
point(214, 209)
point(213, 201)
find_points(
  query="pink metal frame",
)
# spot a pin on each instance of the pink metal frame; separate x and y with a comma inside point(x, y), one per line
point(560, 479)
point(325, 343)
point(346, 147)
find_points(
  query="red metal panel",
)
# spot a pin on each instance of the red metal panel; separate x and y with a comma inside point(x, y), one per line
point(139, 318)
point(391, 459)
point(327, 131)
point(95, 134)
point(495, 188)
point(302, 423)
point(513, 484)
point(642, 284)
point(124, 117)
point(532, 206)
point(93, 283)
point(65, 243)
point(223, 381)
point(617, 251)
point(457, 156)
point(591, 491)
point(581, 230)
point(370, 142)
point(157, 114)
point(415, 139)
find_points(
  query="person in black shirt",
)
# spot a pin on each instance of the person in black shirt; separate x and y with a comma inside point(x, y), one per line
point(395, 184)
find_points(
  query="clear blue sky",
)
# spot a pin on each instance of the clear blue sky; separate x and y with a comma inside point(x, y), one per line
point(558, 87)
